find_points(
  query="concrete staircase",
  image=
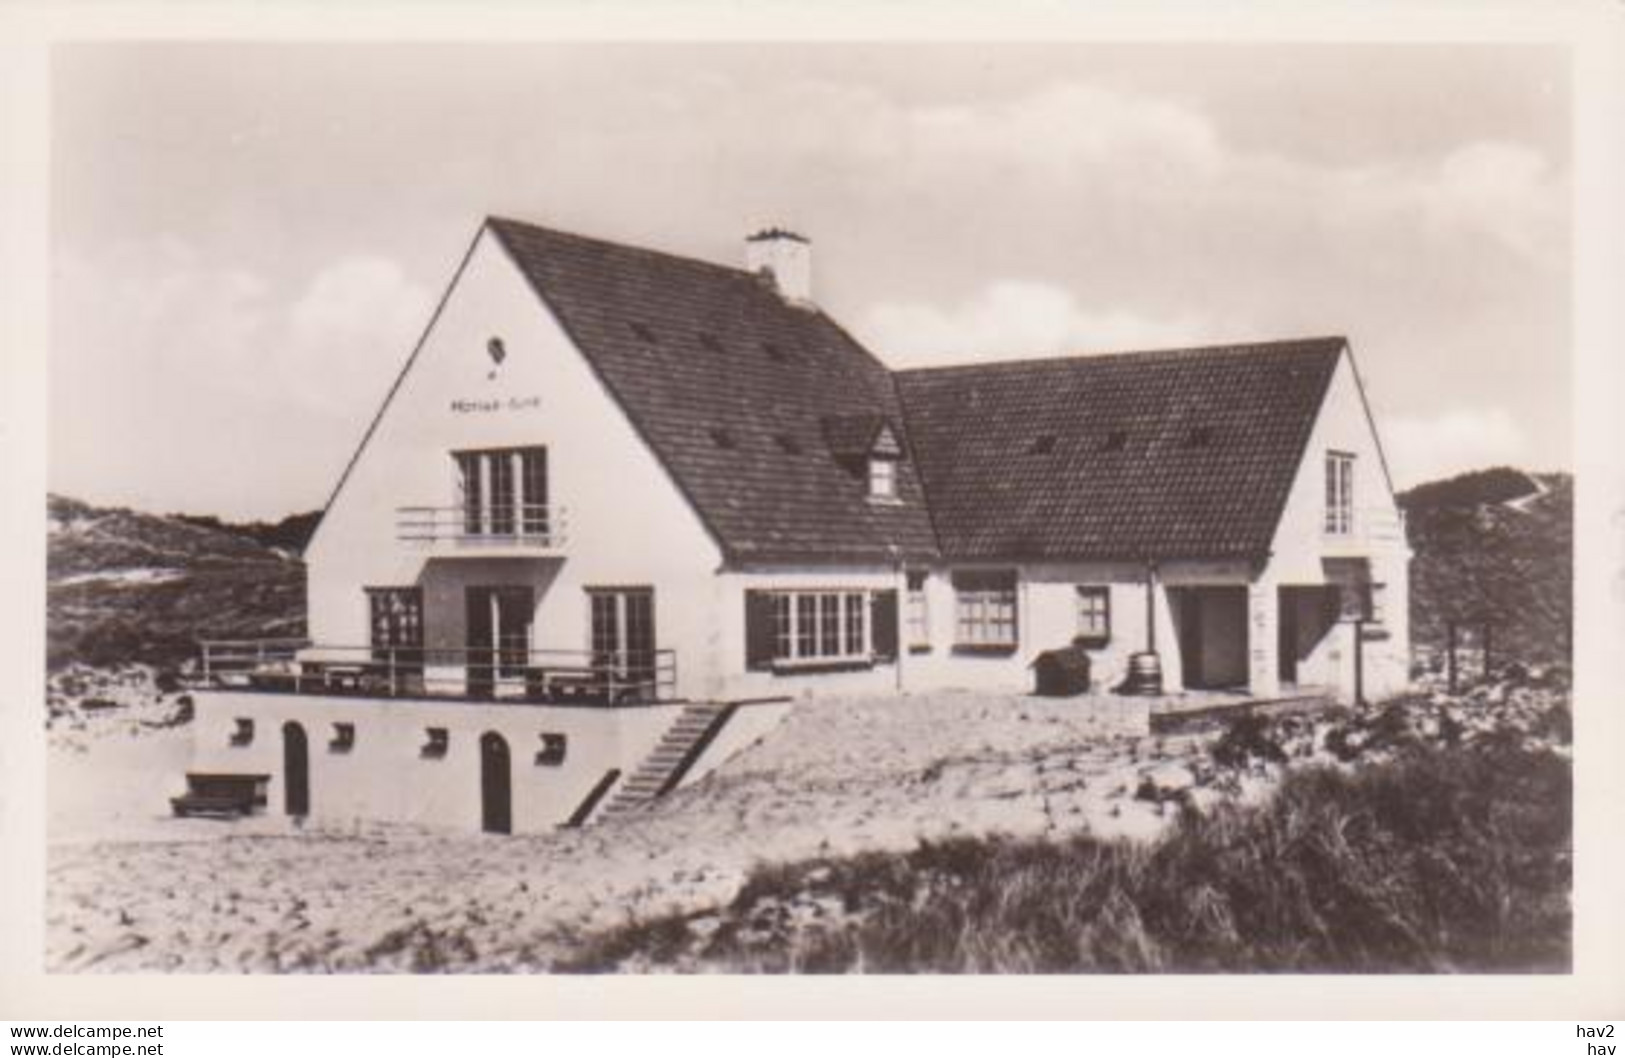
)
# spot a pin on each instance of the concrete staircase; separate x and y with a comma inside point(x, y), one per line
point(671, 759)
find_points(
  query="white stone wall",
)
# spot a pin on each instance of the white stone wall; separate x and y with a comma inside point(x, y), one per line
point(1301, 544)
point(384, 776)
point(627, 524)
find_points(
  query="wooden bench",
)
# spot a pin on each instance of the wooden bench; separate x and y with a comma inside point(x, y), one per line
point(220, 795)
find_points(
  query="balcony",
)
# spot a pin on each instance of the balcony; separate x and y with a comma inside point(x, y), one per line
point(1372, 529)
point(522, 530)
point(516, 674)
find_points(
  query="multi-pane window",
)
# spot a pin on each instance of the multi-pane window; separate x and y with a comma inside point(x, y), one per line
point(504, 491)
point(819, 625)
point(396, 622)
point(623, 630)
point(919, 614)
point(1094, 613)
point(985, 608)
point(1339, 493)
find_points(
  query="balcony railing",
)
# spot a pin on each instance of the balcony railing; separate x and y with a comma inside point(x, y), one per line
point(523, 526)
point(1371, 527)
point(506, 674)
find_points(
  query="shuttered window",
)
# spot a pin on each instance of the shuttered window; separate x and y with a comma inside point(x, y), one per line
point(919, 615)
point(819, 625)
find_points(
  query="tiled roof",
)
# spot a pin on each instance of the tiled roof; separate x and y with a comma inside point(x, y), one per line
point(761, 411)
point(1187, 453)
point(731, 388)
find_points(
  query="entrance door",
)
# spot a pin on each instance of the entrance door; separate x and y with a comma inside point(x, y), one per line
point(499, 621)
point(496, 785)
point(623, 634)
point(1286, 609)
point(295, 770)
point(1213, 636)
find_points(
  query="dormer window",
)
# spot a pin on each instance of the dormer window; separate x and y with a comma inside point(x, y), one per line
point(882, 477)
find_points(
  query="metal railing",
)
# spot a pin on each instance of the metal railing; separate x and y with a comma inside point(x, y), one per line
point(1369, 525)
point(524, 525)
point(502, 674)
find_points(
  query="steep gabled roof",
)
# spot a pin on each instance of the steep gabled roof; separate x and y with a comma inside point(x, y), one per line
point(731, 388)
point(1184, 453)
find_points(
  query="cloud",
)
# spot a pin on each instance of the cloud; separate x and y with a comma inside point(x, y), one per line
point(1067, 125)
point(1008, 319)
point(350, 331)
point(1505, 190)
point(172, 377)
point(1427, 448)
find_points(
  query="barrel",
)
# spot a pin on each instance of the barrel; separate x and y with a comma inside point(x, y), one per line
point(1144, 674)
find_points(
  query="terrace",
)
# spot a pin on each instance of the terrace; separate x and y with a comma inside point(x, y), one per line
point(515, 674)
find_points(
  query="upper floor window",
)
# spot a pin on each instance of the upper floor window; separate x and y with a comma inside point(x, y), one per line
point(504, 491)
point(882, 477)
point(1339, 493)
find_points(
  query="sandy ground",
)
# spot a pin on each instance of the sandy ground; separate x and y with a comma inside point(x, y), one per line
point(131, 889)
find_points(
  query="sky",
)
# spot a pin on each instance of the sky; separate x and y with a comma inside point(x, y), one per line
point(247, 239)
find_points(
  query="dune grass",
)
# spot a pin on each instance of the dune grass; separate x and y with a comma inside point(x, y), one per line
point(1446, 859)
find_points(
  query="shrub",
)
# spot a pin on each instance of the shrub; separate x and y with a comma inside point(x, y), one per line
point(1444, 859)
point(1246, 739)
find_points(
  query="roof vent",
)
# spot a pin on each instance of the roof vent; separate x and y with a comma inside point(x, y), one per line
point(722, 437)
point(786, 259)
point(643, 334)
point(1115, 441)
point(1042, 445)
point(787, 444)
point(1199, 437)
point(709, 342)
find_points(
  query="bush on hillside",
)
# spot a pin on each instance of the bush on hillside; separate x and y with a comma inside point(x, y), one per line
point(1443, 859)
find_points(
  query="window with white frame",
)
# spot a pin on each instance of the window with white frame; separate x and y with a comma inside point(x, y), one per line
point(819, 625)
point(882, 477)
point(504, 491)
point(985, 609)
point(1094, 614)
point(919, 614)
point(1339, 493)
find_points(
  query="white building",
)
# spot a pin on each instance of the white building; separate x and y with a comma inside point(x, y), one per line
point(614, 494)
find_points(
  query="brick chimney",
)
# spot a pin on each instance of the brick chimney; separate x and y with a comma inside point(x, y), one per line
point(785, 258)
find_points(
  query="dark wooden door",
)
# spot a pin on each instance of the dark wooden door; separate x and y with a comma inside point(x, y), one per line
point(1286, 620)
point(496, 785)
point(481, 642)
point(295, 770)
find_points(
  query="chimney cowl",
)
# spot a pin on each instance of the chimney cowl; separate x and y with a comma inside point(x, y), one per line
point(785, 258)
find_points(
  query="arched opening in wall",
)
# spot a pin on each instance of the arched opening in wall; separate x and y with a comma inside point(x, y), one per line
point(496, 785)
point(295, 770)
